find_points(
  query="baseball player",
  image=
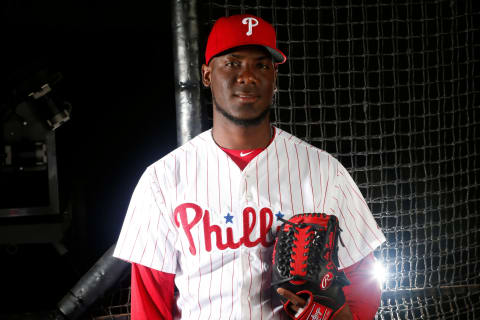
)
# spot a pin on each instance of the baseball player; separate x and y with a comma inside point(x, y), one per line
point(203, 219)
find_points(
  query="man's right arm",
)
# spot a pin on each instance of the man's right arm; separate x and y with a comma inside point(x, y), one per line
point(152, 293)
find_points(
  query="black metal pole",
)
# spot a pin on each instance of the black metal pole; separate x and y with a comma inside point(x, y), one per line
point(187, 70)
point(101, 277)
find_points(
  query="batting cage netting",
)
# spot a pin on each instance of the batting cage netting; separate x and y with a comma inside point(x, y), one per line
point(390, 88)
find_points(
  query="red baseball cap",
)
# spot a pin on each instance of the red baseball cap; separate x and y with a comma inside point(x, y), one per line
point(242, 30)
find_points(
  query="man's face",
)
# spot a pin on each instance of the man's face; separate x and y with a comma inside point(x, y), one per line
point(242, 82)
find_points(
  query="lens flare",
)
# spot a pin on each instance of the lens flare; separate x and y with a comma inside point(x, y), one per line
point(379, 272)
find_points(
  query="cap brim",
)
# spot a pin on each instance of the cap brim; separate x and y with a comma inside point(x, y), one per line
point(277, 55)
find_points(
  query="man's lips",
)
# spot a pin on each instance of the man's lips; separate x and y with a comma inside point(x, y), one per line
point(246, 97)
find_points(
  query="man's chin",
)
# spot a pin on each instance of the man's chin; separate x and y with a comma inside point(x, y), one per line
point(247, 121)
point(244, 119)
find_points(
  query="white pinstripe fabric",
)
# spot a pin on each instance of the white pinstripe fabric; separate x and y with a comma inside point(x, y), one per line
point(178, 221)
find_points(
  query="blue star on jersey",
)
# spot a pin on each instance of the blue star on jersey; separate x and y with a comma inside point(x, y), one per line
point(279, 215)
point(228, 218)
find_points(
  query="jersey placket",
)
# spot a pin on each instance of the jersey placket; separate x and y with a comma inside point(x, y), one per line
point(247, 199)
point(243, 199)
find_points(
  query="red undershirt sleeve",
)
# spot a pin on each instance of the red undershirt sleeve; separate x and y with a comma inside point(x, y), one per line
point(363, 294)
point(152, 293)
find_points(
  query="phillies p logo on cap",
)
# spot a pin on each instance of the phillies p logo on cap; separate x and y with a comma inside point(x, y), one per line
point(242, 30)
point(252, 22)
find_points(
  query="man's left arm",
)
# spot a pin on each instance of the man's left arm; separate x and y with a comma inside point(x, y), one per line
point(363, 295)
point(361, 236)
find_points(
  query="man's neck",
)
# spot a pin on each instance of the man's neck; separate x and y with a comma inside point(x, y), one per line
point(231, 136)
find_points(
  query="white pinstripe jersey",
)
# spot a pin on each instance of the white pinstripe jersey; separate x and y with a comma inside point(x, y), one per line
point(195, 214)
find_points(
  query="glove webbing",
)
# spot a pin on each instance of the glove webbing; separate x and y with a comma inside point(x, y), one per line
point(317, 249)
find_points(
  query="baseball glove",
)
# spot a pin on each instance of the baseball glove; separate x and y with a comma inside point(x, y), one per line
point(305, 262)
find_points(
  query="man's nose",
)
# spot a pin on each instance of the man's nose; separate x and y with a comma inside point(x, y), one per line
point(246, 76)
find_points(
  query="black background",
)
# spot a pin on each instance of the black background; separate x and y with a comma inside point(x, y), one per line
point(117, 67)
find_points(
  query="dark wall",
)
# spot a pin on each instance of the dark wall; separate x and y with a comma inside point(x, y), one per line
point(117, 67)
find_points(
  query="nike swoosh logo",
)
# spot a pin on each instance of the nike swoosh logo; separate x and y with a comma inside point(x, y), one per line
point(245, 154)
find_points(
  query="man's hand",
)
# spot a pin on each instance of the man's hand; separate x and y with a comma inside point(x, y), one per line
point(299, 302)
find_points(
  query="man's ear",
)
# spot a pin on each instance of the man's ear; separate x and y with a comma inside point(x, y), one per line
point(275, 79)
point(206, 75)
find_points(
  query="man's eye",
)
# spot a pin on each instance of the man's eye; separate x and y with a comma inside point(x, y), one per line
point(231, 64)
